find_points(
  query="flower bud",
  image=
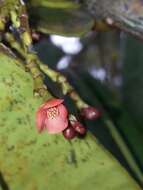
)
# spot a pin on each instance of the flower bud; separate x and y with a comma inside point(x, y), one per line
point(35, 36)
point(69, 133)
point(90, 113)
point(78, 127)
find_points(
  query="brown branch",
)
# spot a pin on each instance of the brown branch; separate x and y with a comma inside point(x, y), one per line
point(124, 14)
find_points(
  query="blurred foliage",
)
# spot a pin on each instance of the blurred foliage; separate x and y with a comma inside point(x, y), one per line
point(133, 80)
point(70, 22)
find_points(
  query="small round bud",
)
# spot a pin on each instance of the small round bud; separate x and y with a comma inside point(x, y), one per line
point(69, 133)
point(90, 113)
point(35, 36)
point(109, 21)
point(78, 127)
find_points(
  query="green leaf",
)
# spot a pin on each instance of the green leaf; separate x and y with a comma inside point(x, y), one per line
point(133, 92)
point(7, 6)
point(70, 22)
point(29, 160)
point(54, 3)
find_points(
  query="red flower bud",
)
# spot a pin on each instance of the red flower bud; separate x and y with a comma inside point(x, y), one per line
point(90, 113)
point(36, 36)
point(78, 127)
point(69, 133)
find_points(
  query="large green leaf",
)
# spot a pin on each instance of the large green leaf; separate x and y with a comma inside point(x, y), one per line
point(29, 160)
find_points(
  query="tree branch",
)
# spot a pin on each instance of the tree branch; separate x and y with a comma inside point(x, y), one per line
point(125, 14)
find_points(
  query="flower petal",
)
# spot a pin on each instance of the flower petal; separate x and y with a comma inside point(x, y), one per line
point(51, 103)
point(40, 119)
point(56, 125)
point(62, 111)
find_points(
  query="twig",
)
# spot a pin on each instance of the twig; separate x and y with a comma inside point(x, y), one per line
point(67, 89)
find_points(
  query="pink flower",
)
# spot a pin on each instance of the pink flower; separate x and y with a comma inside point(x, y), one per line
point(53, 116)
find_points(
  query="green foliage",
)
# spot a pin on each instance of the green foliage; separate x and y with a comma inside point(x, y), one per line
point(54, 3)
point(7, 6)
point(29, 160)
point(59, 17)
point(122, 129)
point(133, 93)
point(70, 22)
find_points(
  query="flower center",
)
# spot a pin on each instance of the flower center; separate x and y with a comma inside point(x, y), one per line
point(52, 112)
